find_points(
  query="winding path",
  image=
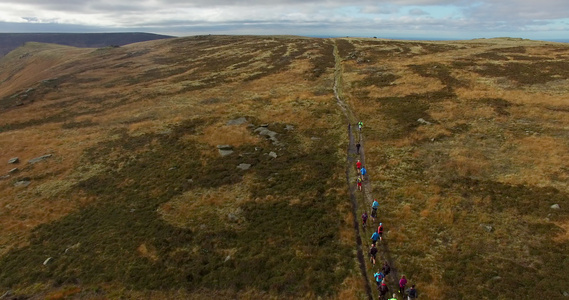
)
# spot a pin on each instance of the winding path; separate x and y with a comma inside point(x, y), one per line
point(352, 156)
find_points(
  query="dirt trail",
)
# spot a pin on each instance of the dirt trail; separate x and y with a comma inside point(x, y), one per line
point(349, 164)
point(352, 156)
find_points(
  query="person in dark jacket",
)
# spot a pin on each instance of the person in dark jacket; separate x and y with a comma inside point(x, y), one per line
point(386, 268)
point(383, 289)
point(412, 293)
point(372, 253)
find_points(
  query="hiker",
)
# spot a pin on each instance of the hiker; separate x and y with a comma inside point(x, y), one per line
point(394, 297)
point(380, 231)
point(383, 289)
point(363, 171)
point(358, 165)
point(402, 283)
point(358, 147)
point(359, 181)
point(412, 293)
point(378, 278)
point(364, 219)
point(374, 207)
point(374, 237)
point(360, 125)
point(386, 269)
point(372, 253)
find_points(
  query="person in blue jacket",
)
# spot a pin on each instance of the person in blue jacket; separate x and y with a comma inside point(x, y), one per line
point(374, 237)
point(363, 172)
point(374, 207)
point(378, 278)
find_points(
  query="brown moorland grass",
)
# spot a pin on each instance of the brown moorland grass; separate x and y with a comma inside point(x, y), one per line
point(134, 132)
point(467, 198)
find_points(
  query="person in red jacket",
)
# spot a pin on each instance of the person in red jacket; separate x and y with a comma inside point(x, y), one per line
point(380, 231)
point(358, 166)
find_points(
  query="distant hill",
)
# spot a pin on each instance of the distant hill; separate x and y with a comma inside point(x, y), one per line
point(11, 41)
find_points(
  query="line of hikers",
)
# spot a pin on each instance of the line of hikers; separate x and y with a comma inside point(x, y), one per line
point(377, 236)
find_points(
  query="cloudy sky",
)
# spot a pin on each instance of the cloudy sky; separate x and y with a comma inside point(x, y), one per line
point(426, 19)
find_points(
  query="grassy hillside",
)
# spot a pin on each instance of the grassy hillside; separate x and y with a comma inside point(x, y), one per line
point(466, 144)
point(137, 201)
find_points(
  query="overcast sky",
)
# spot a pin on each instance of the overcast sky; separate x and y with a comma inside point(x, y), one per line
point(428, 19)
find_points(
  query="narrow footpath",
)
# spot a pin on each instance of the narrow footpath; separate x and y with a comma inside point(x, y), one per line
point(350, 162)
point(352, 156)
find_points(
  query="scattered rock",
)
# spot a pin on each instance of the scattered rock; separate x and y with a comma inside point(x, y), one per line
point(487, 227)
point(232, 217)
point(272, 154)
point(289, 127)
point(496, 278)
point(225, 150)
point(555, 206)
point(264, 125)
point(314, 138)
point(22, 183)
point(227, 258)
point(565, 294)
point(76, 246)
point(172, 168)
point(14, 170)
point(271, 135)
point(4, 177)
point(238, 121)
point(423, 121)
point(244, 166)
point(38, 159)
point(47, 261)
point(14, 160)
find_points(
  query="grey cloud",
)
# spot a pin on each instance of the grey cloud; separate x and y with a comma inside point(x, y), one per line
point(512, 10)
point(380, 9)
point(418, 12)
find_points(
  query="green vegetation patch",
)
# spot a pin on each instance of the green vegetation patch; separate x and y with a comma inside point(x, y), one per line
point(525, 200)
point(405, 111)
point(438, 71)
point(275, 246)
point(480, 260)
point(527, 73)
point(376, 77)
point(491, 55)
point(324, 61)
point(345, 48)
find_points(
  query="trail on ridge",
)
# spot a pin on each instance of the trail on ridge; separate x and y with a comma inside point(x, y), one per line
point(352, 156)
